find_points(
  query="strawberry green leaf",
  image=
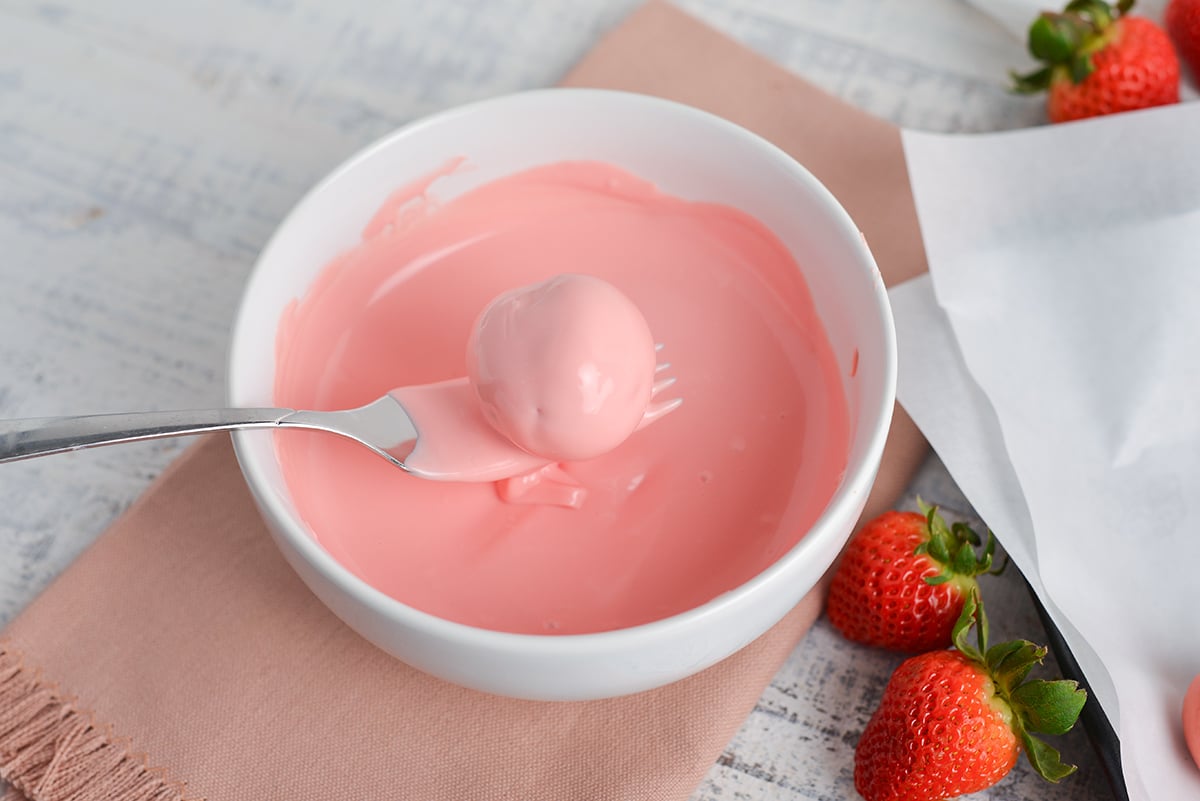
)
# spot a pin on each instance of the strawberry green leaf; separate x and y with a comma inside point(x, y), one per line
point(936, 525)
point(981, 635)
point(1124, 7)
point(1010, 662)
point(925, 508)
point(997, 654)
point(997, 571)
point(1045, 759)
point(1033, 82)
point(1098, 12)
point(1065, 42)
point(952, 547)
point(1081, 66)
point(964, 533)
point(1054, 38)
point(964, 560)
point(939, 549)
point(940, 578)
point(1049, 707)
point(972, 616)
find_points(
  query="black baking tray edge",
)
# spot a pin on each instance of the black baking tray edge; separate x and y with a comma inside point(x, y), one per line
point(1099, 730)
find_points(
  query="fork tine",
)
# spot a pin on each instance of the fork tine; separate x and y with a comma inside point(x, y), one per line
point(662, 384)
point(657, 411)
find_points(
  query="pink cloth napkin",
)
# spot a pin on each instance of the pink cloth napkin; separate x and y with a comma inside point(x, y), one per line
point(181, 658)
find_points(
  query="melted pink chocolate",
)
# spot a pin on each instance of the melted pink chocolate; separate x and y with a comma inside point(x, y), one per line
point(684, 510)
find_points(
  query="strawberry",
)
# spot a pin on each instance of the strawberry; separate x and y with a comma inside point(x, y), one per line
point(954, 721)
point(1099, 61)
point(903, 579)
point(1183, 26)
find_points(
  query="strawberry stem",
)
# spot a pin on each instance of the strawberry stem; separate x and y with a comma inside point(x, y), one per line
point(1039, 706)
point(971, 617)
point(1065, 41)
point(953, 547)
point(1097, 12)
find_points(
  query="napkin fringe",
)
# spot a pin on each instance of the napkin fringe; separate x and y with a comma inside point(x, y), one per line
point(50, 750)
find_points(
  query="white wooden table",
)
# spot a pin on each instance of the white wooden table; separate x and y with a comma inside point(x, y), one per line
point(148, 148)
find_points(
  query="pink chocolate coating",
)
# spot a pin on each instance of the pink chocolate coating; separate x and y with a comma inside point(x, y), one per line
point(1191, 719)
point(563, 368)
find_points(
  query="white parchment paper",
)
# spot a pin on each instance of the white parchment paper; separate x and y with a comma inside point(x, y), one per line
point(1055, 367)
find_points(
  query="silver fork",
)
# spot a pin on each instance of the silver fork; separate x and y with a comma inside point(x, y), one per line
point(384, 426)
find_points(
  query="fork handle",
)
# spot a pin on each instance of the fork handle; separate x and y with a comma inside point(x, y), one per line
point(24, 439)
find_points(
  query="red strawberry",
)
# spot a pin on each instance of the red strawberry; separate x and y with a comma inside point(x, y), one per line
point(953, 722)
point(1099, 61)
point(1183, 25)
point(903, 579)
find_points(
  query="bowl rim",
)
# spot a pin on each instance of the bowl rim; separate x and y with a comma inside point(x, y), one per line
point(846, 501)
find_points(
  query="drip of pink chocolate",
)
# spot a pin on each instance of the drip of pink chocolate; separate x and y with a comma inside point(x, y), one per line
point(547, 485)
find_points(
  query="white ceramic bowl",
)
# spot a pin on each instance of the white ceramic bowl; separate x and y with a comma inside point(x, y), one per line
point(685, 152)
